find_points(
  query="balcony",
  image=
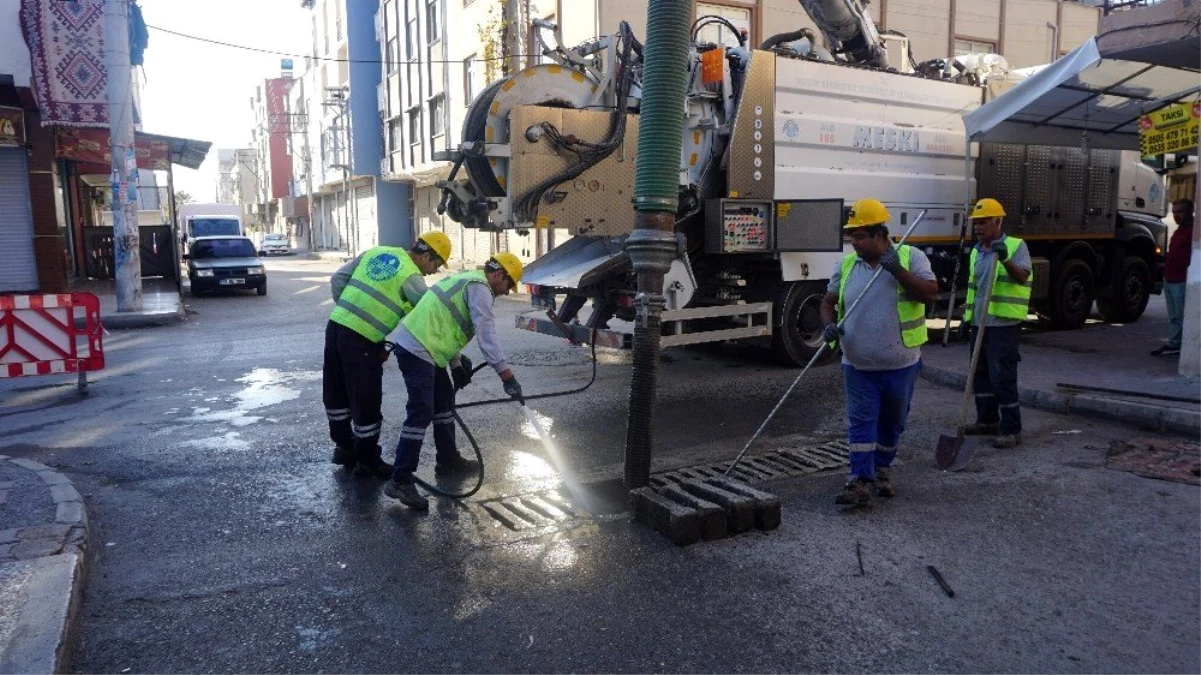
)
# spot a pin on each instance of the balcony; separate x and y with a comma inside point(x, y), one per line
point(1163, 32)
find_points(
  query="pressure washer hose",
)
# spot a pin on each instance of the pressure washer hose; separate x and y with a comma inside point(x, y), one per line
point(475, 446)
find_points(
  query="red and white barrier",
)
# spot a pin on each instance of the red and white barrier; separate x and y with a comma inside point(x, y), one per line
point(38, 335)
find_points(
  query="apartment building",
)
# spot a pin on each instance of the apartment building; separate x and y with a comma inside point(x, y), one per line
point(439, 54)
point(352, 208)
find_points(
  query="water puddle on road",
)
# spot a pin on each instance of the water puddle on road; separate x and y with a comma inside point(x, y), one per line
point(264, 387)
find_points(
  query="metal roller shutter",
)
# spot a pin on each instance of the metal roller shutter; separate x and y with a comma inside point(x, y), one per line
point(364, 199)
point(18, 270)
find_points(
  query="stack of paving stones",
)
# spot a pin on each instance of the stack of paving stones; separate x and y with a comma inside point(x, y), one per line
point(42, 513)
point(705, 509)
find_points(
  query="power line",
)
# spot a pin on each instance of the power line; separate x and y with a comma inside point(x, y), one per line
point(412, 62)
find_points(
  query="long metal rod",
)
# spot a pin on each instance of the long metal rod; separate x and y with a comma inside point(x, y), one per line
point(816, 355)
point(967, 211)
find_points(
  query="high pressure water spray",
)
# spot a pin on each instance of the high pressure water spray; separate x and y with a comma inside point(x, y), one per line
point(391, 347)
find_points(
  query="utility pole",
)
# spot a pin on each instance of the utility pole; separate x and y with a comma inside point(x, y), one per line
point(127, 253)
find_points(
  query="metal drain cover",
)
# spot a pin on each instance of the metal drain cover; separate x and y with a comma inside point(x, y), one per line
point(769, 466)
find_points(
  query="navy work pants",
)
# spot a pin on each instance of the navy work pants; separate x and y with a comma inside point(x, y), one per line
point(996, 381)
point(877, 407)
point(352, 389)
point(431, 400)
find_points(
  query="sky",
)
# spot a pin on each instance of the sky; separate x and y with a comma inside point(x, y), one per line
point(202, 91)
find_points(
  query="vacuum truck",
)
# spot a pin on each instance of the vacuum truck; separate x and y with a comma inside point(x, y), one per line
point(779, 140)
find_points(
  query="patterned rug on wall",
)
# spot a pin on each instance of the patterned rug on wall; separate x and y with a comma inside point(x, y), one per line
point(66, 46)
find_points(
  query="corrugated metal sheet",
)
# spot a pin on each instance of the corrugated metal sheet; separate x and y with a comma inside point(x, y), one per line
point(18, 270)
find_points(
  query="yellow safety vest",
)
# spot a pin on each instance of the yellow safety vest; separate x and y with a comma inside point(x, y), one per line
point(373, 301)
point(441, 322)
point(911, 312)
point(1010, 300)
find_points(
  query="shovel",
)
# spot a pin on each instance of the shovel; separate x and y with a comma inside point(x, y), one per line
point(954, 452)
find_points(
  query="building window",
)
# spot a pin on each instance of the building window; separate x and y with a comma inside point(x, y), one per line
point(719, 33)
point(964, 47)
point(414, 115)
point(395, 134)
point(411, 40)
point(391, 56)
point(432, 24)
point(437, 116)
point(471, 79)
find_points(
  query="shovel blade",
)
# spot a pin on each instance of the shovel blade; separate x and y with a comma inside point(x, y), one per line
point(954, 452)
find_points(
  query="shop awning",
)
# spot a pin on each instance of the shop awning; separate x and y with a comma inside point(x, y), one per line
point(155, 151)
point(1082, 100)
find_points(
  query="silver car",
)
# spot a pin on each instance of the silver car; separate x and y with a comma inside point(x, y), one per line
point(275, 243)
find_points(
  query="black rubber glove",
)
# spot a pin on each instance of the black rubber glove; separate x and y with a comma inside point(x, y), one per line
point(461, 374)
point(891, 262)
point(513, 389)
point(998, 247)
point(831, 332)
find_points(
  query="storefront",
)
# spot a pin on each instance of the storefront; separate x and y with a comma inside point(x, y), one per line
point(18, 271)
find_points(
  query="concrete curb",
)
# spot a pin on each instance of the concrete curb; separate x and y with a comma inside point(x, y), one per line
point(43, 570)
point(1142, 415)
point(142, 319)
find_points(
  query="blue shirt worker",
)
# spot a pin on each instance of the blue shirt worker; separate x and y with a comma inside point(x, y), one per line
point(429, 339)
point(881, 344)
point(998, 412)
point(372, 293)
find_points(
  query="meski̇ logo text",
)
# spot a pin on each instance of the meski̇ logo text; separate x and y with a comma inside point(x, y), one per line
point(383, 266)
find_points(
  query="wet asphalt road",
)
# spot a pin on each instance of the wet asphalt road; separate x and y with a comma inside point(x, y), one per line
point(224, 541)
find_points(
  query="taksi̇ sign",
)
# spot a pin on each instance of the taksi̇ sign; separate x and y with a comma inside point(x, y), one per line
point(1170, 129)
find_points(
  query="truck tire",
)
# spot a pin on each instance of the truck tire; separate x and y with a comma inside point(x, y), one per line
point(799, 306)
point(1072, 293)
point(1132, 290)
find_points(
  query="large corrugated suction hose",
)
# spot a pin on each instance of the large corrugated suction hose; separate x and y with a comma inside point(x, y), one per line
point(661, 118)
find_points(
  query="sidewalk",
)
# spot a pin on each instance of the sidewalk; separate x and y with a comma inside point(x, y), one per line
point(161, 305)
point(1099, 355)
point(43, 565)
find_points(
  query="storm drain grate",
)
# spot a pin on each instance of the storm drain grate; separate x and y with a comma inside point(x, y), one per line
point(530, 512)
point(768, 466)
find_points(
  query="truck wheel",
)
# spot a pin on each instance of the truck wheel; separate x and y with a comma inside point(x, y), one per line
point(1072, 295)
point(799, 306)
point(1132, 290)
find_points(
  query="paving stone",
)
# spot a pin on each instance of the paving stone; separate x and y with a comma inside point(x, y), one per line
point(7, 485)
point(6, 550)
point(36, 547)
point(676, 522)
point(740, 510)
point(29, 464)
point(711, 517)
point(42, 531)
point(767, 505)
point(9, 536)
point(64, 493)
point(69, 512)
point(3, 496)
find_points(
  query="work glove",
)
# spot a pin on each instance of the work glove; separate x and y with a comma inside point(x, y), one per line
point(890, 261)
point(831, 332)
point(513, 389)
point(998, 247)
point(964, 331)
point(461, 373)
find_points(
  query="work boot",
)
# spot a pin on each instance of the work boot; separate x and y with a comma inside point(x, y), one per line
point(1007, 440)
point(343, 456)
point(981, 429)
point(1166, 350)
point(856, 492)
point(458, 466)
point(373, 468)
point(407, 494)
point(884, 483)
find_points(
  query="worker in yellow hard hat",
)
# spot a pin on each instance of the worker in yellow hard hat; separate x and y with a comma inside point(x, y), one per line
point(431, 338)
point(372, 292)
point(881, 343)
point(1003, 262)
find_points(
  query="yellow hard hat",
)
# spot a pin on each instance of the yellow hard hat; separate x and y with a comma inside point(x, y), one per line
point(988, 208)
point(865, 213)
point(439, 242)
point(508, 262)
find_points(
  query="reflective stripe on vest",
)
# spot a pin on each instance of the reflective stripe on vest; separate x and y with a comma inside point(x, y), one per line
point(1010, 300)
point(910, 313)
point(441, 322)
point(373, 301)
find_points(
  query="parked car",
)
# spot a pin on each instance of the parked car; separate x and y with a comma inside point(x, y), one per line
point(226, 263)
point(275, 243)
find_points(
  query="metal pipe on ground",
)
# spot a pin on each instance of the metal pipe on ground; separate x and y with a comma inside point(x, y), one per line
point(652, 245)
